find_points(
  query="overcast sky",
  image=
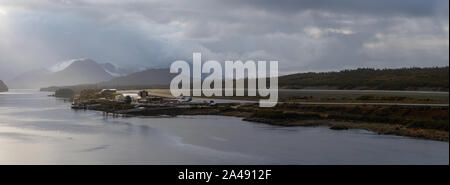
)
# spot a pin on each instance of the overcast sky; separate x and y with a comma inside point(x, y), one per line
point(306, 35)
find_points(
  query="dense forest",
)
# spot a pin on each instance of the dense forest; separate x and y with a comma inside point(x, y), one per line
point(435, 78)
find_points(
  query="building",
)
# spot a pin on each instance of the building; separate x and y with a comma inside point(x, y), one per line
point(143, 94)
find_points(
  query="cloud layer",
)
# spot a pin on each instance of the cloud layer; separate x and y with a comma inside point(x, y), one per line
point(303, 35)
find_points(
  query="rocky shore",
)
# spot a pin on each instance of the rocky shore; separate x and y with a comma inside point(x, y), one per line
point(372, 118)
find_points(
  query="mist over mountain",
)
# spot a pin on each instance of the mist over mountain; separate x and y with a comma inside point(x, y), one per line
point(116, 71)
point(3, 87)
point(79, 71)
point(146, 77)
point(30, 79)
point(108, 67)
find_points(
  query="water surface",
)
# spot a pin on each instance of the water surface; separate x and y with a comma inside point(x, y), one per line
point(36, 129)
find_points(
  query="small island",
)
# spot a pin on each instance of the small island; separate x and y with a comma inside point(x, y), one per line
point(3, 87)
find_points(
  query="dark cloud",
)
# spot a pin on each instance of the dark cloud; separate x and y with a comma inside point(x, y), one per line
point(304, 35)
point(378, 7)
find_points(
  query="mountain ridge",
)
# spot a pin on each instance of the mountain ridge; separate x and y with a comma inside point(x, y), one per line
point(80, 71)
point(415, 78)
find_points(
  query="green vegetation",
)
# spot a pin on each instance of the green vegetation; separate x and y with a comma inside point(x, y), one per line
point(108, 106)
point(367, 99)
point(128, 100)
point(411, 116)
point(92, 99)
point(64, 93)
point(435, 79)
point(93, 94)
point(426, 122)
point(285, 116)
point(423, 122)
point(88, 94)
point(431, 79)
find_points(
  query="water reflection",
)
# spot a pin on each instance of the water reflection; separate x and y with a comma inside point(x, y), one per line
point(36, 129)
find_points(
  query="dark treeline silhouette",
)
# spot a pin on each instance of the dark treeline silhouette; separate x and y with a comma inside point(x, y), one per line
point(434, 78)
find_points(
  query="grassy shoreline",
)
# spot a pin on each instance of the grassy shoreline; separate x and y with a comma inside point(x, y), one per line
point(379, 128)
point(425, 122)
point(436, 130)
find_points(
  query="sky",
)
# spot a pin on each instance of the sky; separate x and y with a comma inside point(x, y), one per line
point(306, 35)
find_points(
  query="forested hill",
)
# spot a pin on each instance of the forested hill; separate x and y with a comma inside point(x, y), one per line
point(435, 79)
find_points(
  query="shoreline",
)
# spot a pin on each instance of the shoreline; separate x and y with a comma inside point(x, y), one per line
point(308, 119)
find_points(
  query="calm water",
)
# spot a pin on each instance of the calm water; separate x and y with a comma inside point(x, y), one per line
point(36, 129)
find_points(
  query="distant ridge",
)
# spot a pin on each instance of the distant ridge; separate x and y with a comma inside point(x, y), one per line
point(80, 71)
point(412, 79)
point(3, 87)
point(434, 79)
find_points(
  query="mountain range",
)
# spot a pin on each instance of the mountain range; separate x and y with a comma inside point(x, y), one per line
point(79, 71)
point(413, 79)
point(88, 71)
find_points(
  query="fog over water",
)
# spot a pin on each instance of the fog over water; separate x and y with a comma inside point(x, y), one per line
point(37, 129)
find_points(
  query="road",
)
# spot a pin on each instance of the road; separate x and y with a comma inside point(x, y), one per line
point(201, 100)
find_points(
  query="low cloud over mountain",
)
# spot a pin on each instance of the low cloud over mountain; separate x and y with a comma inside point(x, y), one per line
point(303, 35)
point(80, 71)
